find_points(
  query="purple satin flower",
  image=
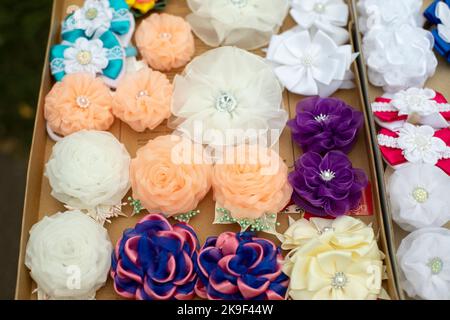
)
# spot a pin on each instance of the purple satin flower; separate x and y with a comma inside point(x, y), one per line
point(327, 185)
point(238, 266)
point(156, 261)
point(325, 124)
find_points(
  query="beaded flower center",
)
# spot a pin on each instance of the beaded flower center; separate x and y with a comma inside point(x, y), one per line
point(91, 13)
point(239, 3)
point(422, 143)
point(415, 101)
point(321, 117)
point(226, 103)
point(420, 195)
point(165, 35)
point(83, 102)
point(327, 175)
point(436, 265)
point(319, 8)
point(339, 280)
point(84, 57)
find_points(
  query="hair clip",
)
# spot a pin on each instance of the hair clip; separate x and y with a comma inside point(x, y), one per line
point(228, 96)
point(239, 266)
point(156, 261)
point(142, 7)
point(247, 24)
point(424, 261)
point(165, 41)
point(98, 16)
point(418, 196)
point(416, 144)
point(327, 185)
point(69, 256)
point(143, 99)
point(89, 171)
point(421, 106)
point(325, 124)
point(329, 16)
point(438, 13)
point(311, 65)
point(170, 175)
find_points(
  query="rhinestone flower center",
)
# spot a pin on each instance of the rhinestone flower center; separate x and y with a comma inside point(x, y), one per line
point(327, 175)
point(307, 61)
point(339, 280)
point(321, 117)
point(226, 103)
point(420, 195)
point(436, 265)
point(91, 13)
point(83, 102)
point(319, 8)
point(239, 3)
point(84, 57)
point(165, 35)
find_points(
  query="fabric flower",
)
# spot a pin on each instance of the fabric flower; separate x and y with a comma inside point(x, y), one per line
point(240, 267)
point(94, 15)
point(86, 56)
point(327, 185)
point(418, 197)
point(89, 170)
point(165, 41)
point(424, 261)
point(439, 13)
point(251, 182)
point(421, 106)
point(171, 175)
point(80, 101)
point(329, 16)
point(226, 96)
point(69, 256)
point(322, 125)
point(408, 62)
point(156, 261)
point(143, 99)
point(247, 24)
point(311, 65)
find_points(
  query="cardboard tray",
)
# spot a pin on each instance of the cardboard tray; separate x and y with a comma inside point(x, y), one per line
point(439, 82)
point(39, 203)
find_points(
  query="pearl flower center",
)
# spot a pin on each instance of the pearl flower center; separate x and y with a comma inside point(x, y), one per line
point(339, 280)
point(239, 3)
point(319, 8)
point(83, 102)
point(165, 35)
point(91, 13)
point(307, 61)
point(327, 175)
point(142, 93)
point(321, 117)
point(326, 229)
point(226, 103)
point(420, 195)
point(436, 265)
point(422, 143)
point(84, 57)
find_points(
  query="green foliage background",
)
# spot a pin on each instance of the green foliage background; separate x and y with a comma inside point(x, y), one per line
point(23, 36)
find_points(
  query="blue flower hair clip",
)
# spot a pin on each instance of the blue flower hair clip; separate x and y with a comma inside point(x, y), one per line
point(97, 16)
point(438, 13)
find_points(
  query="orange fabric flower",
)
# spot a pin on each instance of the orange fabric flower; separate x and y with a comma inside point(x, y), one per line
point(251, 182)
point(165, 41)
point(80, 101)
point(143, 99)
point(170, 175)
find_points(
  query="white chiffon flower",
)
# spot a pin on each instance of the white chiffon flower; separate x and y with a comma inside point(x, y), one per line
point(399, 58)
point(89, 170)
point(311, 65)
point(329, 16)
point(93, 16)
point(443, 13)
point(86, 56)
point(247, 24)
point(418, 196)
point(69, 256)
point(227, 95)
point(424, 258)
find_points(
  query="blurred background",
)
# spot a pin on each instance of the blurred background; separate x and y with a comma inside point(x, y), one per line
point(24, 27)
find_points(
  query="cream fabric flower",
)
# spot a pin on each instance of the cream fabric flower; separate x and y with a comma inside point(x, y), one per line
point(247, 24)
point(424, 258)
point(311, 65)
point(69, 256)
point(418, 196)
point(89, 170)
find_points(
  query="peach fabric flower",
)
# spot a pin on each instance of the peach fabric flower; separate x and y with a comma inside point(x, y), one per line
point(170, 175)
point(165, 41)
point(252, 184)
point(143, 99)
point(80, 101)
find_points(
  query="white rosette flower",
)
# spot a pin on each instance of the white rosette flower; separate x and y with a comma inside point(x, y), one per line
point(89, 171)
point(247, 24)
point(424, 258)
point(399, 58)
point(69, 256)
point(329, 16)
point(94, 15)
point(86, 56)
point(311, 65)
point(226, 97)
point(419, 196)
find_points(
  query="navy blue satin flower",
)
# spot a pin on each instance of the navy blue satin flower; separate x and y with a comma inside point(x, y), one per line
point(432, 13)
